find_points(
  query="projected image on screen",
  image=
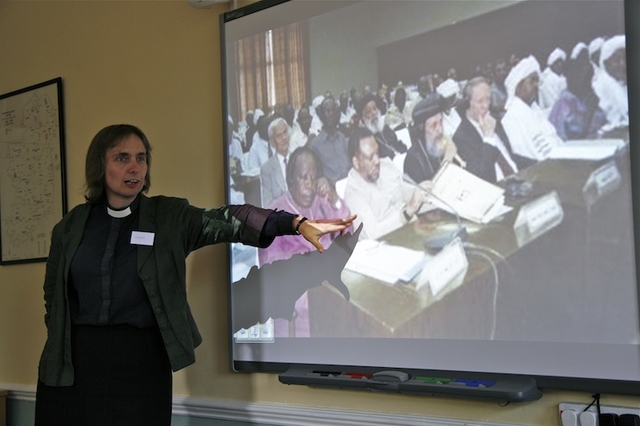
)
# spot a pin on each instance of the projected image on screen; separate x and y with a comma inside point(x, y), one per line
point(484, 147)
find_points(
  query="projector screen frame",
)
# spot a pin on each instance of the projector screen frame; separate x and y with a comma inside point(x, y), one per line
point(598, 385)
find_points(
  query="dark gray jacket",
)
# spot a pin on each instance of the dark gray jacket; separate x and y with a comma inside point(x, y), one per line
point(179, 228)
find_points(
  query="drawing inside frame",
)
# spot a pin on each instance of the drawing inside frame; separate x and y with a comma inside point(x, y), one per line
point(32, 170)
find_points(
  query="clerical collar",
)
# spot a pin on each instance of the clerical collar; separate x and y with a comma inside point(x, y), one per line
point(123, 212)
point(119, 214)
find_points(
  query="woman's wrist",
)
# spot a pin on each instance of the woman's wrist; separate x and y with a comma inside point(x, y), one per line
point(297, 222)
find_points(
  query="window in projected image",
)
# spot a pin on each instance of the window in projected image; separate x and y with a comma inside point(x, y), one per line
point(484, 147)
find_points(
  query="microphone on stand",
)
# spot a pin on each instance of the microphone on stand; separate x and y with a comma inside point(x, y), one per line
point(440, 238)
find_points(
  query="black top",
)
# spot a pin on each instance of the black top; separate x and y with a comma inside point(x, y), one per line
point(105, 288)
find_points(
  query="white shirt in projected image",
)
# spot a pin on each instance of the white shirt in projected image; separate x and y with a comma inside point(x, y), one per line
point(379, 204)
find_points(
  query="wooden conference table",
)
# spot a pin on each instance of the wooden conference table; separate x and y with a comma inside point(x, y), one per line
point(512, 290)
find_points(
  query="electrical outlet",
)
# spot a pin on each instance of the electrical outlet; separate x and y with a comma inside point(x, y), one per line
point(569, 418)
point(578, 407)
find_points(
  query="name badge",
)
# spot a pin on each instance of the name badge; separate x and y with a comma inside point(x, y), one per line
point(140, 238)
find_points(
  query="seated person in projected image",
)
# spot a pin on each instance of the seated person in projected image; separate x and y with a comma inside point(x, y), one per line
point(595, 48)
point(480, 138)
point(330, 144)
point(346, 111)
point(395, 118)
point(272, 172)
point(309, 194)
point(580, 51)
point(249, 131)
point(552, 80)
point(302, 130)
point(577, 114)
point(370, 117)
point(316, 122)
point(235, 152)
point(611, 83)
point(498, 91)
point(296, 137)
point(450, 92)
point(529, 131)
point(383, 98)
point(260, 151)
point(430, 147)
point(376, 188)
point(423, 87)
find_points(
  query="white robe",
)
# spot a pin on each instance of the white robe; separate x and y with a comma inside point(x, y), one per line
point(613, 99)
point(380, 204)
point(551, 84)
point(530, 133)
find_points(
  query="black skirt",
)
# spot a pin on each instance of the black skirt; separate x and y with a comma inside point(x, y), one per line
point(122, 377)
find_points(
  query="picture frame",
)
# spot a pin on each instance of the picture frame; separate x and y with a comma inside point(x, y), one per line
point(32, 182)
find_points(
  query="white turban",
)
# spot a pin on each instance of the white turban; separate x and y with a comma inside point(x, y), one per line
point(522, 70)
point(555, 55)
point(577, 49)
point(448, 88)
point(595, 44)
point(256, 115)
point(315, 103)
point(610, 46)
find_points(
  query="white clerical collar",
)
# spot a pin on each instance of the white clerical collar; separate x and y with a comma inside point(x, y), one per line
point(119, 214)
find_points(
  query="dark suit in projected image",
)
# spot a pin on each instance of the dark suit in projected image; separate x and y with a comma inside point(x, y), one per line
point(480, 138)
point(430, 147)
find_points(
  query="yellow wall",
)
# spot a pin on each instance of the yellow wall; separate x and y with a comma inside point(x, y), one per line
point(156, 64)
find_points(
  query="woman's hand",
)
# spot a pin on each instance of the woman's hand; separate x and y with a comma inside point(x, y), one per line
point(312, 230)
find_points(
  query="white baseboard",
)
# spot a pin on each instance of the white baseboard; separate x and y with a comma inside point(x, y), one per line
point(295, 415)
point(279, 414)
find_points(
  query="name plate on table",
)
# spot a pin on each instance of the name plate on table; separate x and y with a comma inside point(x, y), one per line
point(537, 217)
point(603, 180)
point(449, 266)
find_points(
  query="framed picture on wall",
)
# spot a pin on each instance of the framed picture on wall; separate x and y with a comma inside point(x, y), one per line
point(32, 178)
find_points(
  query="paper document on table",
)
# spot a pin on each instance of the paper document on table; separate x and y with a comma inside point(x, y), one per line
point(385, 262)
point(587, 149)
point(404, 136)
point(466, 195)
